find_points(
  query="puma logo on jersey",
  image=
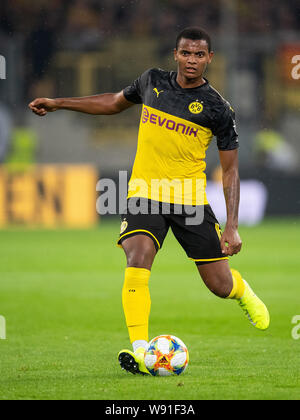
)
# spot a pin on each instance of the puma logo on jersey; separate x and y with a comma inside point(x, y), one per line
point(157, 92)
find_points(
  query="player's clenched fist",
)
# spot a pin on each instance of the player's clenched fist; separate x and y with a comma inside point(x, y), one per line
point(42, 106)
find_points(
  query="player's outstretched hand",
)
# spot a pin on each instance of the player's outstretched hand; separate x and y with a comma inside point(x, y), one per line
point(42, 106)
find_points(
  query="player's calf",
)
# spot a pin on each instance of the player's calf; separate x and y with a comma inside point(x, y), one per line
point(217, 277)
point(229, 284)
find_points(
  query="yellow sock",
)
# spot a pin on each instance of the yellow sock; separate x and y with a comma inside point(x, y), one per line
point(136, 302)
point(238, 285)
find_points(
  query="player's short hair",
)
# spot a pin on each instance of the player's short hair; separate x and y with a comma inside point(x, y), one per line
point(194, 33)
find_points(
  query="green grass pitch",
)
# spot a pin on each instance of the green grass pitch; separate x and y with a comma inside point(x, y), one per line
point(60, 293)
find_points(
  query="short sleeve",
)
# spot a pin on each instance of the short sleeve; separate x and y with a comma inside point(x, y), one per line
point(225, 129)
point(135, 92)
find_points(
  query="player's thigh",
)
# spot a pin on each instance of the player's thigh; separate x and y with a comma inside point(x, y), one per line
point(141, 237)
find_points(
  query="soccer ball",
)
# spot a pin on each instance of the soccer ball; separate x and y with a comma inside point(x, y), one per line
point(166, 355)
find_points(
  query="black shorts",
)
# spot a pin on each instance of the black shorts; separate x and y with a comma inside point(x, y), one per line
point(201, 242)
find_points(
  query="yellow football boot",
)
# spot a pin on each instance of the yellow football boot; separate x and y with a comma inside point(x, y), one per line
point(255, 310)
point(133, 362)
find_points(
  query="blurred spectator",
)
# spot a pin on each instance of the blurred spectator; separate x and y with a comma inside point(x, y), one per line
point(41, 45)
point(83, 27)
point(86, 20)
point(87, 25)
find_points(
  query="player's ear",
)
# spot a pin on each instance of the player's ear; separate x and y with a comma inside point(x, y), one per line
point(175, 54)
point(211, 54)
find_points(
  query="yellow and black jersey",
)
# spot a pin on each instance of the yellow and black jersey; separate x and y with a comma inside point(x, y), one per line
point(176, 128)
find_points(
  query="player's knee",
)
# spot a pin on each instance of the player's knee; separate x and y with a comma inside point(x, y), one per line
point(222, 292)
point(223, 287)
point(139, 261)
point(140, 258)
point(140, 251)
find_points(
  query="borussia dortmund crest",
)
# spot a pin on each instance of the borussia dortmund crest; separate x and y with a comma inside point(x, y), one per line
point(196, 107)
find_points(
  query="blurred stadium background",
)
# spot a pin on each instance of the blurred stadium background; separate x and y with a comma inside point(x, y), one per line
point(60, 289)
point(82, 47)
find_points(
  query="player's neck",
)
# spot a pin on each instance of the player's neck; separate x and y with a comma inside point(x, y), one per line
point(187, 83)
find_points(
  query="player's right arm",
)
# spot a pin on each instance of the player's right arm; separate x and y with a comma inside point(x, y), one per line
point(104, 104)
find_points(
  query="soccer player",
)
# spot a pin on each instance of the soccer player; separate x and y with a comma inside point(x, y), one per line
point(180, 116)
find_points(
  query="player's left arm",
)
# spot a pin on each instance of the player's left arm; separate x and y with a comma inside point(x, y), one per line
point(231, 242)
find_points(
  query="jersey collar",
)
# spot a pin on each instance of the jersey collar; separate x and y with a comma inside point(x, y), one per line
point(178, 87)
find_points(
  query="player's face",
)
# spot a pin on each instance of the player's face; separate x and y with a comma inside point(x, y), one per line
point(192, 58)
